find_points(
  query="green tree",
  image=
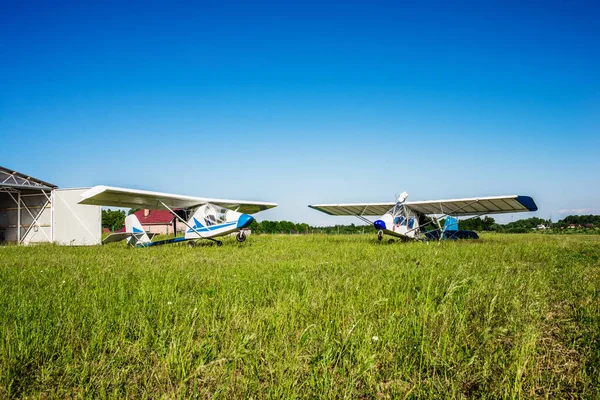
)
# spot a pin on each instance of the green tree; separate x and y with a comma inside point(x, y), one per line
point(113, 219)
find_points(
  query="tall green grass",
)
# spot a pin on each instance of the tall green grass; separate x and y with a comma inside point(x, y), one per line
point(303, 317)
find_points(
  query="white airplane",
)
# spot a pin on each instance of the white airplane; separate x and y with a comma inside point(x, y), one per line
point(406, 219)
point(210, 218)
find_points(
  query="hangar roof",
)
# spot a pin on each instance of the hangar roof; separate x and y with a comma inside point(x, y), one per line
point(15, 180)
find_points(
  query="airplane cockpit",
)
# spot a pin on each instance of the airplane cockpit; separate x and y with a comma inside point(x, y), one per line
point(403, 218)
point(215, 215)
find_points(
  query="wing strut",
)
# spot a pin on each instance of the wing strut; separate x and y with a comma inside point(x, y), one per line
point(181, 219)
point(458, 209)
point(434, 219)
point(188, 225)
point(358, 216)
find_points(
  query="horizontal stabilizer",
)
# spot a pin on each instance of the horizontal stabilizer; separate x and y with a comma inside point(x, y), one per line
point(117, 237)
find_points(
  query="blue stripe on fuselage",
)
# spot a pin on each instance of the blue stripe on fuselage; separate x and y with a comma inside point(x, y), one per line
point(199, 228)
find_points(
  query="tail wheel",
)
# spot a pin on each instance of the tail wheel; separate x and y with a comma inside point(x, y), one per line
point(192, 243)
point(219, 244)
point(241, 237)
point(380, 235)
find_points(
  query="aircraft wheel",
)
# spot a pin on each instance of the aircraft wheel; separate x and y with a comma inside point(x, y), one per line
point(192, 243)
point(380, 235)
point(391, 241)
point(219, 244)
point(241, 237)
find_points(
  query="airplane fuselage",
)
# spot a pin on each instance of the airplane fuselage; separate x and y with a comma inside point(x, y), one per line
point(211, 221)
point(399, 222)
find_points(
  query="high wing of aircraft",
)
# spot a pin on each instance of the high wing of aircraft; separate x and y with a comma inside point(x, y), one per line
point(133, 198)
point(404, 219)
point(210, 217)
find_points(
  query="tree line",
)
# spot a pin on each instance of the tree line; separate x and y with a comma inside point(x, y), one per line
point(303, 228)
point(583, 220)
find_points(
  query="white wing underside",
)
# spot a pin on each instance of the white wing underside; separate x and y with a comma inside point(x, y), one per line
point(117, 237)
point(453, 207)
point(132, 198)
point(362, 209)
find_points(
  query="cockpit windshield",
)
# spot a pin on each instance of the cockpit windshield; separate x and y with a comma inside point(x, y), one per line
point(214, 215)
point(397, 210)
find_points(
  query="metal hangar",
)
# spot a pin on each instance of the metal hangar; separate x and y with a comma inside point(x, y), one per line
point(35, 211)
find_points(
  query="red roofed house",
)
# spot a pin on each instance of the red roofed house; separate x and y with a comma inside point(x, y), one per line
point(158, 221)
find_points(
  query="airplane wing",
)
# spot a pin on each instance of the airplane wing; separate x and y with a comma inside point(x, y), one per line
point(133, 198)
point(454, 207)
point(355, 209)
point(474, 206)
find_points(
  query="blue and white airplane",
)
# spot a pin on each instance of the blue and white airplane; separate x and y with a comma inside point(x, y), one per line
point(210, 218)
point(406, 219)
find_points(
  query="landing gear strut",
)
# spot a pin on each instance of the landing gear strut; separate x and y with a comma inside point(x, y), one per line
point(380, 235)
point(241, 237)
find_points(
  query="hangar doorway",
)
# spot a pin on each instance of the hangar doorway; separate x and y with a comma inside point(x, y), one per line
point(25, 208)
point(34, 211)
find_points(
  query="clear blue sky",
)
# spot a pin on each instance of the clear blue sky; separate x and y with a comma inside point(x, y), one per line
point(309, 102)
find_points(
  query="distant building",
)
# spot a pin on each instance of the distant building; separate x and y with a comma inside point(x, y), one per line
point(158, 221)
point(541, 227)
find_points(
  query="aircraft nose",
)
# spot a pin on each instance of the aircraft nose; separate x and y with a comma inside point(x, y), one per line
point(244, 221)
point(379, 225)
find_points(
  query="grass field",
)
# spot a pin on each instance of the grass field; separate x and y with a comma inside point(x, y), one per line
point(509, 316)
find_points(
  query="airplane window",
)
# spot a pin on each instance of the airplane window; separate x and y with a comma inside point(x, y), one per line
point(411, 222)
point(401, 221)
point(222, 215)
point(209, 216)
point(396, 210)
point(210, 220)
point(397, 221)
point(214, 215)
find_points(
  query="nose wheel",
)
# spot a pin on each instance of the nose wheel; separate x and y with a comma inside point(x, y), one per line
point(192, 243)
point(380, 235)
point(241, 237)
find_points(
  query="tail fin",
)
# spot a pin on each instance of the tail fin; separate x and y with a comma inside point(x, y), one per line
point(132, 225)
